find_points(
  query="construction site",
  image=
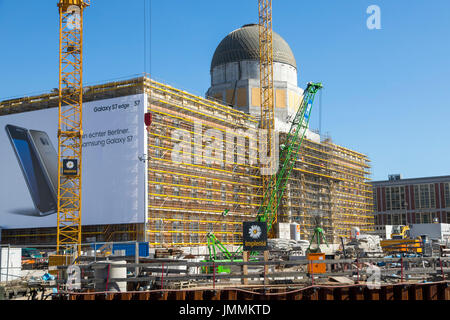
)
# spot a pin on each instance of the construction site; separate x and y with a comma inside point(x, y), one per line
point(230, 196)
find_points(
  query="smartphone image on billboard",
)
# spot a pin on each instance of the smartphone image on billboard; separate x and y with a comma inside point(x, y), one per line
point(38, 180)
point(49, 160)
point(47, 156)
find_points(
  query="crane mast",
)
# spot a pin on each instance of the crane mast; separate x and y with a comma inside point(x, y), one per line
point(70, 128)
point(266, 93)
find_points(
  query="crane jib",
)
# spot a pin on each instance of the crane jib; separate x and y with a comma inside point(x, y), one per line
point(288, 155)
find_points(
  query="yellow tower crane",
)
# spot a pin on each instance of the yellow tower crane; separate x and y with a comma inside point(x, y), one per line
point(70, 128)
point(266, 94)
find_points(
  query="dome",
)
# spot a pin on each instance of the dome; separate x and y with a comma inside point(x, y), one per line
point(243, 44)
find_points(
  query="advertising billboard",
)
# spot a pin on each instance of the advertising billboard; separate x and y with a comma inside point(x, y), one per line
point(113, 177)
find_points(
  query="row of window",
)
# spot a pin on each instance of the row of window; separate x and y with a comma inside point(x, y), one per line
point(208, 194)
point(193, 226)
point(159, 189)
point(182, 238)
point(420, 217)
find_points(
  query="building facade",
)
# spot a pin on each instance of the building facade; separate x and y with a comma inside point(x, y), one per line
point(197, 183)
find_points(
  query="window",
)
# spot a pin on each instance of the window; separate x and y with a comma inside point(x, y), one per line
point(158, 188)
point(236, 190)
point(224, 236)
point(158, 224)
point(163, 131)
point(403, 219)
point(418, 220)
point(424, 196)
point(395, 219)
point(388, 198)
point(395, 198)
point(177, 238)
point(176, 225)
point(194, 226)
point(157, 149)
point(176, 191)
point(375, 207)
point(447, 195)
point(156, 116)
point(194, 232)
point(435, 217)
point(193, 238)
point(379, 220)
point(194, 192)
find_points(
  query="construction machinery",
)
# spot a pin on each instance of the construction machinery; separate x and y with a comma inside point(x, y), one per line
point(401, 242)
point(226, 256)
point(317, 239)
point(288, 154)
point(273, 185)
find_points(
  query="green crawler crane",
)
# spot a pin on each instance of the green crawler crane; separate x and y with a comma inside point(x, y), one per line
point(288, 155)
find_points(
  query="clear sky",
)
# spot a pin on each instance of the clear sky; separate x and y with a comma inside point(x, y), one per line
point(387, 91)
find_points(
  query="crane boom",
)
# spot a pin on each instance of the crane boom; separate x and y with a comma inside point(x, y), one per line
point(70, 129)
point(288, 155)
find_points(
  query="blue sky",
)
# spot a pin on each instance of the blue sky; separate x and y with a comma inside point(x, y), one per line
point(386, 91)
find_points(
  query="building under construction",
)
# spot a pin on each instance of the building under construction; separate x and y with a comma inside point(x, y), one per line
point(213, 189)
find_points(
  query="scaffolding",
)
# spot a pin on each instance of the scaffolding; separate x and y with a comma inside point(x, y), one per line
point(329, 182)
point(186, 199)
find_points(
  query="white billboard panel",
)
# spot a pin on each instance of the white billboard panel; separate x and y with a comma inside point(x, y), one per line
point(113, 177)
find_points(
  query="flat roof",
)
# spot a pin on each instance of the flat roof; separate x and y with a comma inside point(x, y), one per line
point(432, 179)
